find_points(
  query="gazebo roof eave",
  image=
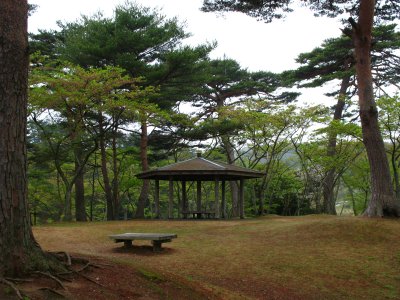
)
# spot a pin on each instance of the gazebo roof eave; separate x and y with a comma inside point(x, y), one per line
point(201, 175)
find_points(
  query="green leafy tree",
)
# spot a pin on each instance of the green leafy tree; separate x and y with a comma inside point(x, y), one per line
point(389, 116)
point(383, 201)
point(334, 60)
point(144, 43)
point(227, 88)
point(75, 99)
point(43, 194)
point(283, 192)
point(264, 142)
point(357, 181)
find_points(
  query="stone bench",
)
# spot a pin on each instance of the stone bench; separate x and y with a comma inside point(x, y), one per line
point(156, 239)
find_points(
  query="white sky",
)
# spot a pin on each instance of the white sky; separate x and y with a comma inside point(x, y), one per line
point(254, 44)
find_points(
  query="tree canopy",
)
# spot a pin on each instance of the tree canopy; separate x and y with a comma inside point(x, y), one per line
point(385, 10)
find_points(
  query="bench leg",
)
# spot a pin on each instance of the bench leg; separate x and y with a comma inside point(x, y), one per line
point(157, 246)
point(127, 243)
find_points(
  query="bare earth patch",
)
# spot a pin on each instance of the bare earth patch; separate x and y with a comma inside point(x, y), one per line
point(108, 281)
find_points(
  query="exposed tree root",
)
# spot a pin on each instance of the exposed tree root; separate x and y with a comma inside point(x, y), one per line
point(53, 291)
point(52, 277)
point(88, 278)
point(66, 260)
point(18, 279)
point(63, 277)
point(65, 256)
point(12, 285)
point(84, 267)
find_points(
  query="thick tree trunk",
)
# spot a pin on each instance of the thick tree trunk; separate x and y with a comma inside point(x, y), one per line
point(382, 201)
point(104, 171)
point(80, 207)
point(329, 201)
point(144, 192)
point(19, 252)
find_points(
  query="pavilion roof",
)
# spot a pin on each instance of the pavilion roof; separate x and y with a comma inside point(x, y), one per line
point(201, 169)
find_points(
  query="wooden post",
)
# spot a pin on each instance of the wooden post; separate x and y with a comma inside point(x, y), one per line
point(216, 198)
point(171, 199)
point(157, 198)
point(241, 198)
point(223, 196)
point(198, 198)
point(184, 199)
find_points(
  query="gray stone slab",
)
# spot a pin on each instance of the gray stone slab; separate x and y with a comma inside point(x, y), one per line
point(143, 236)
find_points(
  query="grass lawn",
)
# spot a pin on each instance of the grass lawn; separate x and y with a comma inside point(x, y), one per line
point(311, 257)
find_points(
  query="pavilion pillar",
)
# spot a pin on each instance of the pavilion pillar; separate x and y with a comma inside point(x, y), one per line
point(241, 198)
point(216, 198)
point(157, 199)
point(223, 199)
point(171, 199)
point(184, 200)
point(198, 197)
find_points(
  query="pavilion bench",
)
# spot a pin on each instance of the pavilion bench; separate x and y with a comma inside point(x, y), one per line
point(198, 214)
point(156, 239)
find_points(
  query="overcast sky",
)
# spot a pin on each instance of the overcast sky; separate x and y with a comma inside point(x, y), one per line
point(254, 44)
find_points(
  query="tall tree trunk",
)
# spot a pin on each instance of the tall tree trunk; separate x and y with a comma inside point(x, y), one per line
point(395, 171)
point(115, 183)
point(60, 198)
point(382, 201)
point(20, 253)
point(329, 202)
point(68, 203)
point(68, 190)
point(94, 174)
point(104, 170)
point(80, 207)
point(144, 192)
point(230, 155)
point(261, 197)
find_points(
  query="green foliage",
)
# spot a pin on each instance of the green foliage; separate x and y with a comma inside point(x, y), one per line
point(341, 129)
point(271, 9)
point(283, 192)
point(358, 183)
point(133, 38)
point(334, 59)
point(389, 118)
point(72, 87)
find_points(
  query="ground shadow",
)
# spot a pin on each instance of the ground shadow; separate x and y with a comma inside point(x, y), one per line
point(143, 250)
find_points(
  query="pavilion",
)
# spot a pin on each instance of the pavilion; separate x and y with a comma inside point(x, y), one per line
point(198, 170)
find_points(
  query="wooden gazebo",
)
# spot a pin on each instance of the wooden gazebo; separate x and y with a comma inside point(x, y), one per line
point(197, 170)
